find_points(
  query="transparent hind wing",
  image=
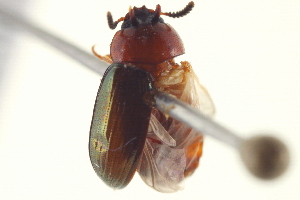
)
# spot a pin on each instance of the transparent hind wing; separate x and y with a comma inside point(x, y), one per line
point(196, 95)
point(164, 165)
point(160, 132)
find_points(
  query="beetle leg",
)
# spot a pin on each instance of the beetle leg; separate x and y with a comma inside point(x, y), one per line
point(186, 65)
point(105, 58)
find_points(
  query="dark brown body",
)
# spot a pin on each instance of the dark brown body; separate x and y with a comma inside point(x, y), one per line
point(120, 123)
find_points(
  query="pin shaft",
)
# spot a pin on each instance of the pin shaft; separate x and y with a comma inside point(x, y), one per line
point(265, 157)
point(161, 100)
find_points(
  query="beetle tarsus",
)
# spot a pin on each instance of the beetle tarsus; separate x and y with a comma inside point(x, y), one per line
point(105, 58)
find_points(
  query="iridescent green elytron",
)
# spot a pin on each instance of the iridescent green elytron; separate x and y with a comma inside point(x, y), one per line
point(120, 123)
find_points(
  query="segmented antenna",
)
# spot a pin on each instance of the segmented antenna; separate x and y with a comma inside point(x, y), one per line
point(111, 23)
point(181, 13)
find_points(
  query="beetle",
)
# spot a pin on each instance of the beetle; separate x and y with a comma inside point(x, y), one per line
point(127, 135)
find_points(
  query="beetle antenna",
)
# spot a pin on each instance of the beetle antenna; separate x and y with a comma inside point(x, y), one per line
point(181, 13)
point(111, 23)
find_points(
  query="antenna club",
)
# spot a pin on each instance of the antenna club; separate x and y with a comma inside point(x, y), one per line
point(265, 157)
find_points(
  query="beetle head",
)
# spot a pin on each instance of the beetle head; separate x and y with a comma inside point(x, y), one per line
point(143, 16)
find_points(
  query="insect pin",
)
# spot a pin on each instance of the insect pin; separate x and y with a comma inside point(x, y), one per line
point(126, 134)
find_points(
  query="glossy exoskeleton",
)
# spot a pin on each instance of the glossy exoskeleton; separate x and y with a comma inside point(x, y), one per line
point(120, 116)
point(126, 135)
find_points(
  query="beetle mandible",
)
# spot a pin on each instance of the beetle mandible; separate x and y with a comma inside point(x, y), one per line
point(127, 135)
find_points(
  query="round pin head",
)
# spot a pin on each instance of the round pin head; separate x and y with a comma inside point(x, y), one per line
point(265, 157)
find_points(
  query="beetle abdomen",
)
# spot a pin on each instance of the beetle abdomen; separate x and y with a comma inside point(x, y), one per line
point(120, 123)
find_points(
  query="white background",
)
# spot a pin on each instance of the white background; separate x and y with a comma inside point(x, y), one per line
point(247, 54)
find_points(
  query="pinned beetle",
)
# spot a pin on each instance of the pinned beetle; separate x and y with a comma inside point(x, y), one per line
point(126, 135)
